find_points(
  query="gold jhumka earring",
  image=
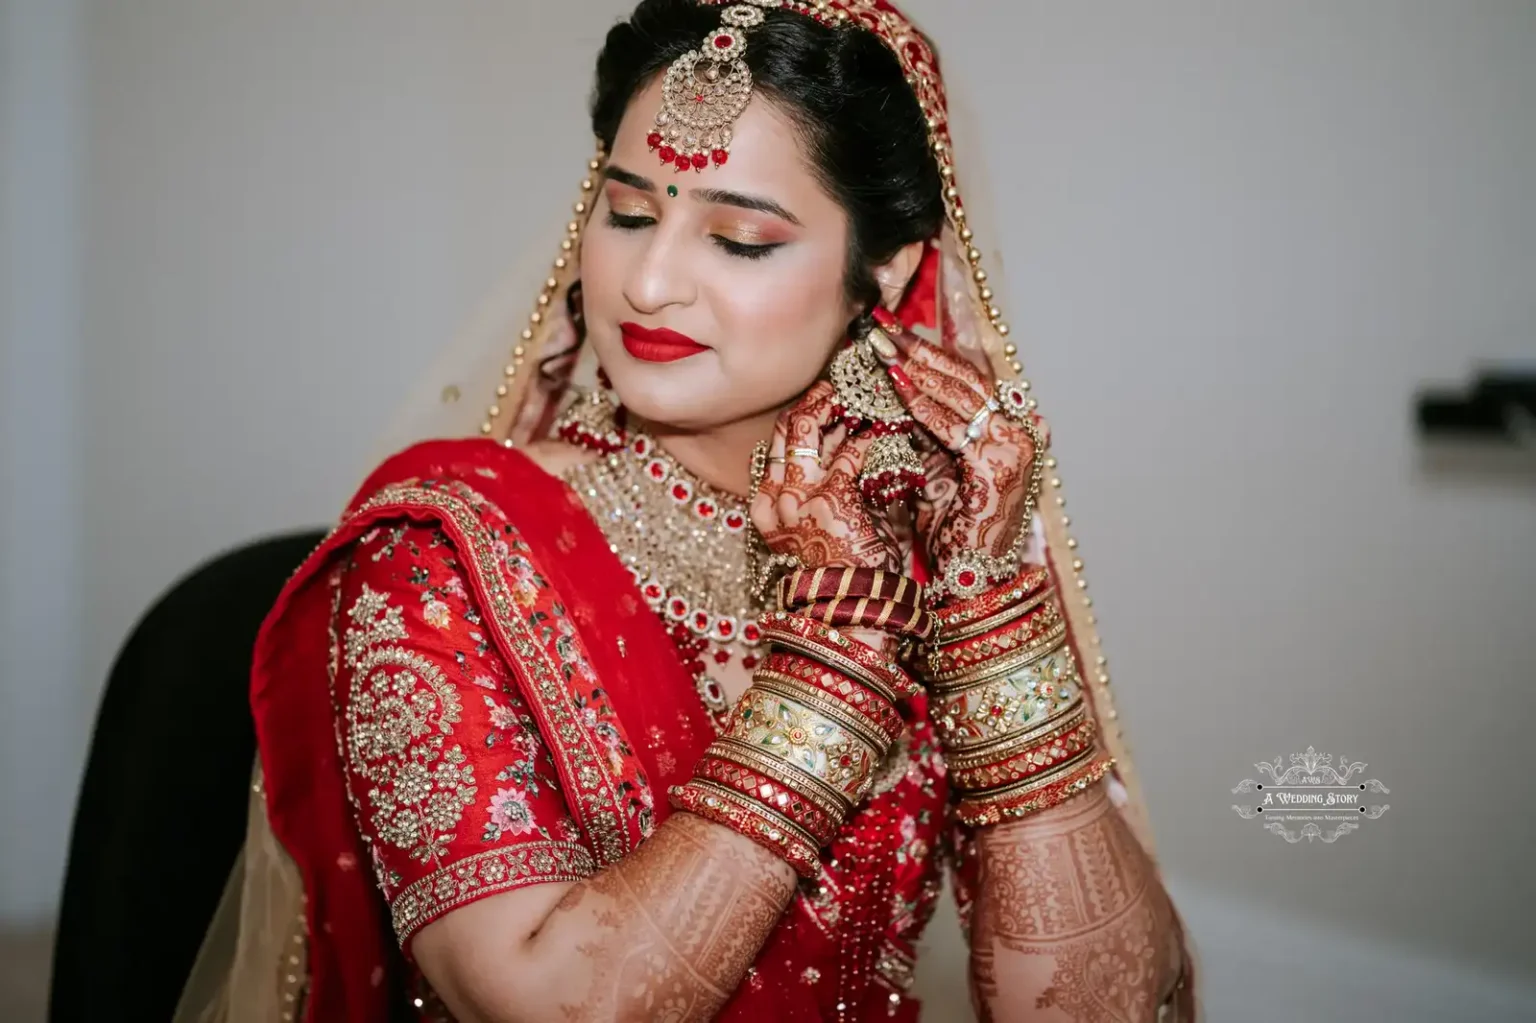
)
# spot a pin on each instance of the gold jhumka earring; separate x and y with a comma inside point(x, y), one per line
point(866, 399)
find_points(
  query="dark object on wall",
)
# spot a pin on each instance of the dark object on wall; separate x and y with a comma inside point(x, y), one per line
point(1500, 407)
point(162, 806)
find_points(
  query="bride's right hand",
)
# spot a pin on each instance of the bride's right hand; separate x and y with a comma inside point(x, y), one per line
point(811, 508)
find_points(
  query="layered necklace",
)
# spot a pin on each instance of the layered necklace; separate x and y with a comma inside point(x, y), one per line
point(686, 543)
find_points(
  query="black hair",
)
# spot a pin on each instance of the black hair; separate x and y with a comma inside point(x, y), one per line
point(844, 90)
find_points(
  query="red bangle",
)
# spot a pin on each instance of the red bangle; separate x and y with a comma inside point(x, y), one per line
point(838, 651)
point(1035, 762)
point(990, 602)
point(809, 585)
point(982, 809)
point(1017, 731)
point(744, 817)
point(1035, 622)
point(758, 786)
point(803, 743)
point(866, 613)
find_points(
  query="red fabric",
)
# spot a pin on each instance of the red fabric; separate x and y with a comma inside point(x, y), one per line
point(919, 306)
point(493, 795)
point(534, 602)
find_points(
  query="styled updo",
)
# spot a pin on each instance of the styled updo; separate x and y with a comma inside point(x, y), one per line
point(845, 92)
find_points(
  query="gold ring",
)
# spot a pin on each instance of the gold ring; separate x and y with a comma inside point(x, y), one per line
point(805, 453)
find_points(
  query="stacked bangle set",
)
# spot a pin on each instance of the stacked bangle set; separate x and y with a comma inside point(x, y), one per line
point(803, 742)
point(1017, 732)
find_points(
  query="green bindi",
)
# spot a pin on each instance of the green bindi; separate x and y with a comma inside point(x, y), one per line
point(672, 191)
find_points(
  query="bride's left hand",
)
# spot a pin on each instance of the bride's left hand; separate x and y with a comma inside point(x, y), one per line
point(977, 488)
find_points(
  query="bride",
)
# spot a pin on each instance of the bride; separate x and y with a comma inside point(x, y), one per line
point(749, 613)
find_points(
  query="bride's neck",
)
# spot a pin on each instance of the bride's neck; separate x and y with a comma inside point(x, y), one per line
point(720, 456)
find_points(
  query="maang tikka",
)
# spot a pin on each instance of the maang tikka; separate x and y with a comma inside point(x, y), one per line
point(866, 399)
point(705, 90)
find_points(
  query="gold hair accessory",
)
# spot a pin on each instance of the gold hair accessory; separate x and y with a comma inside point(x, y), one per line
point(704, 91)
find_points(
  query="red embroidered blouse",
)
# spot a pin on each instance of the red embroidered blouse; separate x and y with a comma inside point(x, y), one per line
point(457, 797)
point(464, 788)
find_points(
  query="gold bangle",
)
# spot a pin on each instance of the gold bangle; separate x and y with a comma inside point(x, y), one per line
point(1012, 744)
point(832, 659)
point(847, 760)
point(792, 690)
point(816, 792)
point(957, 679)
point(985, 810)
point(979, 715)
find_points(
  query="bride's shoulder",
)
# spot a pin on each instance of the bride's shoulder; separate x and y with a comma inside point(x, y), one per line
point(470, 460)
point(556, 456)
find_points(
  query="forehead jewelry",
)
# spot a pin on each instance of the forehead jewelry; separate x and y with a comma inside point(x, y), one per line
point(705, 90)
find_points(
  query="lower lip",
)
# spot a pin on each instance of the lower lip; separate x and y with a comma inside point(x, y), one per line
point(651, 351)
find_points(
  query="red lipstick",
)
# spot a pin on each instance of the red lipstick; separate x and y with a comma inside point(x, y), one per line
point(658, 344)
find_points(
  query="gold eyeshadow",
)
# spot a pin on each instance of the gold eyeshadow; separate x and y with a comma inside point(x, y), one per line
point(627, 202)
point(747, 233)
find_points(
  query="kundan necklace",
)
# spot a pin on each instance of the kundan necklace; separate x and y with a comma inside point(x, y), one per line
point(685, 542)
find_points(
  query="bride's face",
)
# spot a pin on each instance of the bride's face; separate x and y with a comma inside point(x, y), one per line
point(746, 261)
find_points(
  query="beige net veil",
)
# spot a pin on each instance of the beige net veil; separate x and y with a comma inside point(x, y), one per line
point(517, 364)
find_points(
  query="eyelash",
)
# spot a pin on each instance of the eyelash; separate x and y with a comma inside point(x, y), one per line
point(741, 250)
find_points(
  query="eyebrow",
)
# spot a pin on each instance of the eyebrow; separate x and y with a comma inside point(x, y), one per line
point(717, 196)
point(721, 197)
point(624, 177)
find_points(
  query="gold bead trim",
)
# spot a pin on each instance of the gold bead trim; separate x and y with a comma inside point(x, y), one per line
point(293, 971)
point(545, 297)
point(1103, 701)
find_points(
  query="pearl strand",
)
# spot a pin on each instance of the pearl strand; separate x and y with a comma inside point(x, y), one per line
point(542, 302)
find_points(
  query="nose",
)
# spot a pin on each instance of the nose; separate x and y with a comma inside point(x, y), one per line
point(661, 276)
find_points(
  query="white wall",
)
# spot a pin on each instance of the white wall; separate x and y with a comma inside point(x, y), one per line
point(1238, 236)
point(45, 712)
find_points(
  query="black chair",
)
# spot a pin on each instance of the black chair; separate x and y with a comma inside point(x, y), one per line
point(161, 814)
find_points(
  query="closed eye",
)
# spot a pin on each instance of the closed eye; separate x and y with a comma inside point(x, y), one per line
point(741, 250)
point(628, 222)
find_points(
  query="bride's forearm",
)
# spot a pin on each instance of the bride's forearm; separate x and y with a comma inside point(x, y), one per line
point(669, 931)
point(1071, 921)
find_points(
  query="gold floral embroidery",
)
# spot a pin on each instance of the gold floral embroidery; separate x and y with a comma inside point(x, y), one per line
point(400, 712)
point(507, 580)
point(373, 622)
point(485, 874)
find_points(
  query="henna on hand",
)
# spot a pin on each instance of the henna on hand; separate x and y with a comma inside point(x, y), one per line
point(1071, 921)
point(814, 510)
point(975, 502)
point(670, 931)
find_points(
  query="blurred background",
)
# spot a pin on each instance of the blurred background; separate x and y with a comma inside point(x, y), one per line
point(1237, 237)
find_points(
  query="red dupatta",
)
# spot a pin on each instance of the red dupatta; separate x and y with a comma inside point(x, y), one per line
point(582, 685)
